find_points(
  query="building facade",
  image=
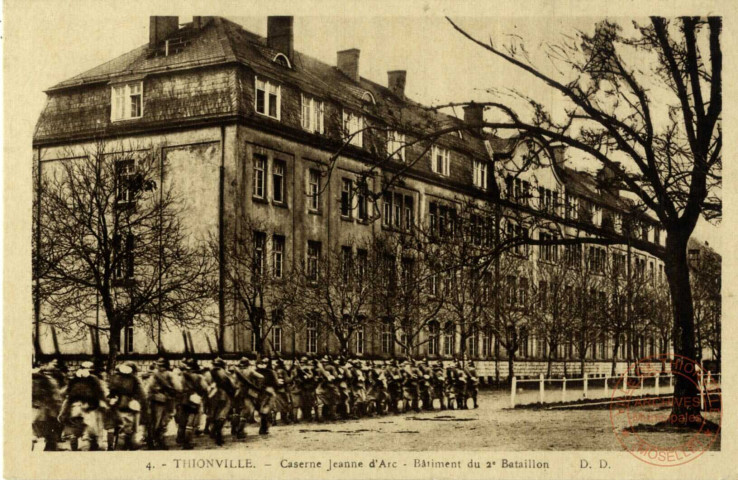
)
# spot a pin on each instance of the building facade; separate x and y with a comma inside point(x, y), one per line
point(254, 132)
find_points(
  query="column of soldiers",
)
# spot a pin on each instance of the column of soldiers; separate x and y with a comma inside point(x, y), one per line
point(93, 410)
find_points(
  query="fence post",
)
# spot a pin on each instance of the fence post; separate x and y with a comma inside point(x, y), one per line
point(541, 388)
point(700, 385)
point(606, 377)
point(625, 381)
point(513, 388)
point(709, 379)
point(658, 381)
point(563, 391)
point(585, 385)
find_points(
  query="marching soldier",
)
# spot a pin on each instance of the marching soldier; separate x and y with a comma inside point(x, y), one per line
point(425, 388)
point(304, 388)
point(438, 382)
point(189, 404)
point(47, 401)
point(268, 394)
point(161, 393)
point(283, 398)
point(246, 400)
point(473, 382)
point(80, 411)
point(222, 393)
point(125, 398)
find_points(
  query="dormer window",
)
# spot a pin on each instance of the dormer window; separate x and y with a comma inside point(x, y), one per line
point(441, 161)
point(312, 114)
point(127, 101)
point(268, 98)
point(480, 174)
point(367, 97)
point(396, 145)
point(282, 59)
point(353, 128)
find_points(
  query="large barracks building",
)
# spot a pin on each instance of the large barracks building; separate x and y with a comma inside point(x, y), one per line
point(248, 123)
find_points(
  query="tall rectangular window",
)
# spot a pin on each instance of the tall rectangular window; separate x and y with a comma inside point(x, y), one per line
point(312, 114)
point(448, 339)
point(387, 337)
point(268, 101)
point(360, 341)
point(259, 175)
point(397, 215)
point(313, 190)
point(480, 174)
point(259, 252)
point(441, 161)
point(128, 339)
point(362, 263)
point(409, 212)
point(396, 145)
point(278, 174)
point(362, 204)
point(313, 259)
point(433, 331)
point(278, 255)
point(123, 261)
point(353, 128)
point(277, 338)
point(312, 335)
point(346, 264)
point(346, 194)
point(125, 171)
point(127, 101)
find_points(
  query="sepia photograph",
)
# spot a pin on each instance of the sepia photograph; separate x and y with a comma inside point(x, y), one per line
point(420, 232)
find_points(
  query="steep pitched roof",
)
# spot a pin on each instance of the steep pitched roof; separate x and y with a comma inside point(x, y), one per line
point(222, 41)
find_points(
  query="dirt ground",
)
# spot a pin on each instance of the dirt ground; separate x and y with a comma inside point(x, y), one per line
point(491, 427)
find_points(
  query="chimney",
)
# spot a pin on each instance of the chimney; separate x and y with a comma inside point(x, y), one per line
point(280, 36)
point(607, 179)
point(160, 28)
point(396, 82)
point(348, 63)
point(198, 23)
point(474, 115)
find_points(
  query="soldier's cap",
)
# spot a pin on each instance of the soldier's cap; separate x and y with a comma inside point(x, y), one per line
point(162, 362)
point(87, 364)
point(82, 373)
point(219, 362)
point(244, 362)
point(124, 368)
point(131, 364)
point(304, 358)
point(191, 364)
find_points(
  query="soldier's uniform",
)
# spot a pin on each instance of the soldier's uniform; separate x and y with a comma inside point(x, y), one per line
point(125, 397)
point(327, 390)
point(394, 385)
point(46, 399)
point(249, 384)
point(424, 383)
point(283, 400)
point(160, 393)
point(460, 385)
point(222, 394)
point(358, 389)
point(304, 388)
point(268, 394)
point(80, 411)
point(189, 403)
point(472, 386)
point(438, 382)
point(410, 389)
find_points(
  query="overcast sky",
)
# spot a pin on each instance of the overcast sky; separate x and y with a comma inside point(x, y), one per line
point(442, 66)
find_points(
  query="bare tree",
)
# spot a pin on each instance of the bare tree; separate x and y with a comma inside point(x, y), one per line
point(110, 239)
point(669, 159)
point(416, 299)
point(706, 277)
point(257, 273)
point(337, 286)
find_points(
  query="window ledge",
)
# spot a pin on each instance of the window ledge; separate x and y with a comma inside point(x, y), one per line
point(314, 212)
point(281, 205)
point(261, 200)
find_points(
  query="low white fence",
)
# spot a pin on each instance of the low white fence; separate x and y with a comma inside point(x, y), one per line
point(563, 390)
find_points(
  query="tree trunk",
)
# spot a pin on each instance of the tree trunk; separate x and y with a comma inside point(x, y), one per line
point(615, 348)
point(510, 366)
point(686, 406)
point(113, 348)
